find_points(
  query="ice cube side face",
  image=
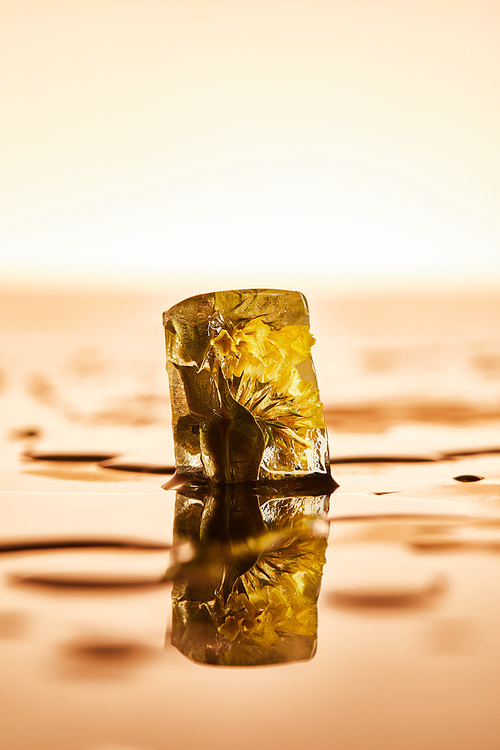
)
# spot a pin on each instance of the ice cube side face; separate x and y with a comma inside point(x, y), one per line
point(244, 394)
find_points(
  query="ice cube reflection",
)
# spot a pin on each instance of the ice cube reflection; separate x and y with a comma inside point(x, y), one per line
point(249, 595)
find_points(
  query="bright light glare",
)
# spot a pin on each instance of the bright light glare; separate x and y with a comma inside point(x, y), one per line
point(263, 140)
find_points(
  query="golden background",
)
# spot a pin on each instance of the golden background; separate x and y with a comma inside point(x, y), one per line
point(255, 143)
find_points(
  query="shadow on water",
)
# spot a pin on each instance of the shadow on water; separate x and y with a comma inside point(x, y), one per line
point(249, 595)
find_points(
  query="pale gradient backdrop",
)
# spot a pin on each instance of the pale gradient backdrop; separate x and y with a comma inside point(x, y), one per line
point(254, 142)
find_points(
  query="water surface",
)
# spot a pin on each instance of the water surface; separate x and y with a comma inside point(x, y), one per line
point(394, 642)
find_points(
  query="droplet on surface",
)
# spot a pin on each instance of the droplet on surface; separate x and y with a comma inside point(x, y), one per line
point(472, 451)
point(390, 458)
point(120, 569)
point(360, 505)
point(467, 478)
point(85, 581)
point(103, 658)
point(467, 538)
point(137, 464)
point(108, 651)
point(29, 545)
point(25, 433)
point(395, 593)
point(73, 456)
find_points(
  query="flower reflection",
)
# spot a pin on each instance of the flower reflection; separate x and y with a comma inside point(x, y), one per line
point(249, 595)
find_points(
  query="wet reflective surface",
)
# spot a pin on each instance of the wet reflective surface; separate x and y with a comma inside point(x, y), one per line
point(134, 617)
point(249, 595)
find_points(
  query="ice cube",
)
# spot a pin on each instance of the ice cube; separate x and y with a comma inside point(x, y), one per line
point(244, 395)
